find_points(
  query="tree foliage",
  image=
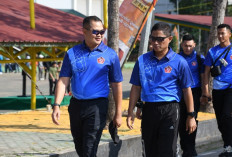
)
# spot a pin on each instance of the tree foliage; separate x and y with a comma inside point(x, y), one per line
point(174, 44)
point(194, 7)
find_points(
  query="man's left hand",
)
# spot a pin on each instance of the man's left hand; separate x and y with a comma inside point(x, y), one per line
point(56, 115)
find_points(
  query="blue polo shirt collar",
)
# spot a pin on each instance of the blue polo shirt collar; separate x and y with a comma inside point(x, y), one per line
point(185, 56)
point(169, 55)
point(101, 47)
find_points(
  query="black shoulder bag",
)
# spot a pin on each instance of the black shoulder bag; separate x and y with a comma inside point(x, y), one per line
point(216, 70)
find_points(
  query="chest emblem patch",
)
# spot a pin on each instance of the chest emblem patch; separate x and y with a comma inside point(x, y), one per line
point(100, 60)
point(168, 69)
point(194, 63)
point(231, 57)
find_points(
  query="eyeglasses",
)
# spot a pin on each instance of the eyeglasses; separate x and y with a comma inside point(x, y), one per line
point(96, 32)
point(158, 39)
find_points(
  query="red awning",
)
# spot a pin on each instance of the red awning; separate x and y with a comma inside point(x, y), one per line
point(51, 25)
point(194, 21)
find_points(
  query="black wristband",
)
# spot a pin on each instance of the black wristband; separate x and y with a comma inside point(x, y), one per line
point(192, 114)
point(55, 104)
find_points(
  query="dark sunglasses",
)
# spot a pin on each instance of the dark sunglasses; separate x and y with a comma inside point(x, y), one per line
point(96, 32)
point(159, 39)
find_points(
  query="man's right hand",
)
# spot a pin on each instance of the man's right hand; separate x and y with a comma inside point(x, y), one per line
point(191, 124)
point(56, 115)
point(130, 120)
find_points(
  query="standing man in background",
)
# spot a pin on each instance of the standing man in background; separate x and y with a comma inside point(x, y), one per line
point(195, 62)
point(220, 57)
point(53, 78)
point(160, 76)
point(92, 68)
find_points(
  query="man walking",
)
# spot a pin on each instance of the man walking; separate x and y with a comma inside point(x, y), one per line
point(92, 67)
point(195, 62)
point(220, 58)
point(160, 76)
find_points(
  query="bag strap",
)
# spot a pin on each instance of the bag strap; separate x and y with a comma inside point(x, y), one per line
point(199, 64)
point(227, 52)
point(228, 49)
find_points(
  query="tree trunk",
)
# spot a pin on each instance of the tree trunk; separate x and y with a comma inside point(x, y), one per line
point(219, 7)
point(112, 42)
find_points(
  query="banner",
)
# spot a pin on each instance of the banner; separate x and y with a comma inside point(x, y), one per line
point(133, 15)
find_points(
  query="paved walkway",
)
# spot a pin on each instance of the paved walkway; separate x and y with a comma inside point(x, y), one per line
point(33, 143)
point(14, 144)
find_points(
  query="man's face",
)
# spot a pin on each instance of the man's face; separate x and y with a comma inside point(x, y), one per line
point(159, 41)
point(94, 34)
point(188, 46)
point(223, 35)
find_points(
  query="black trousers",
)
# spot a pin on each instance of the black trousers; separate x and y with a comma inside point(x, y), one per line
point(222, 103)
point(159, 129)
point(87, 120)
point(187, 141)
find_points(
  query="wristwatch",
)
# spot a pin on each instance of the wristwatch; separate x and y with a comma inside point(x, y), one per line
point(191, 114)
point(55, 104)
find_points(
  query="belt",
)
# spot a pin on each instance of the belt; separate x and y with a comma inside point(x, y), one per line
point(84, 100)
point(160, 103)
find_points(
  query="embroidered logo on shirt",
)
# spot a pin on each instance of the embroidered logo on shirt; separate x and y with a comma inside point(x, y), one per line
point(168, 69)
point(194, 63)
point(231, 57)
point(101, 60)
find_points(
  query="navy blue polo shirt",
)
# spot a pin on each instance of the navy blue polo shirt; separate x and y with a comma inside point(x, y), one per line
point(194, 67)
point(91, 71)
point(224, 80)
point(161, 80)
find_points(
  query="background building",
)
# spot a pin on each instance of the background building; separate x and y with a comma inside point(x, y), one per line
point(95, 7)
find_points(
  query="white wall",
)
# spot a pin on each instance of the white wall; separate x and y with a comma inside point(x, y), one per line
point(56, 4)
point(95, 11)
point(81, 6)
point(230, 2)
point(162, 6)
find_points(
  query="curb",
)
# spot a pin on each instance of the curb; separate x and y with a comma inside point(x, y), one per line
point(208, 136)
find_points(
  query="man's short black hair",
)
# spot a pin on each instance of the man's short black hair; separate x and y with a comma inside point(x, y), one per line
point(224, 26)
point(187, 37)
point(54, 63)
point(162, 26)
point(88, 19)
